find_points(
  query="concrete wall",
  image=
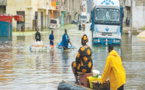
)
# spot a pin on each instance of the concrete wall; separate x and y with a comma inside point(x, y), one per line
point(138, 13)
point(138, 16)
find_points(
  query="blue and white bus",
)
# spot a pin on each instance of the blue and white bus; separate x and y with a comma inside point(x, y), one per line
point(107, 19)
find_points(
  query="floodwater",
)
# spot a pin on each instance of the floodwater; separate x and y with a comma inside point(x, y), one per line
point(22, 70)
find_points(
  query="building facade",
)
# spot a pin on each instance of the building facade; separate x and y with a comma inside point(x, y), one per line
point(138, 12)
point(70, 10)
point(38, 13)
point(84, 6)
point(75, 10)
point(89, 6)
point(34, 12)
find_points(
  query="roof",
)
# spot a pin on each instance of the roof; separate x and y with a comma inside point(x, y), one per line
point(83, 13)
point(107, 3)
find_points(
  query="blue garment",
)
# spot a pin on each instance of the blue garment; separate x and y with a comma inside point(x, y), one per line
point(80, 27)
point(51, 37)
point(65, 40)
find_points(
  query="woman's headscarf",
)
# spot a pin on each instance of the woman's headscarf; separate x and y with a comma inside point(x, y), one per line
point(84, 39)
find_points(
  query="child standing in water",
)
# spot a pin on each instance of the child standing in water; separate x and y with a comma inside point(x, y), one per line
point(51, 38)
point(38, 36)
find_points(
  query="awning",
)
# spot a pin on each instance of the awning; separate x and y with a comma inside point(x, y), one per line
point(6, 18)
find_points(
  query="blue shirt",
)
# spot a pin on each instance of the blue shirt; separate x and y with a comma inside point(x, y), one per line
point(65, 40)
point(51, 37)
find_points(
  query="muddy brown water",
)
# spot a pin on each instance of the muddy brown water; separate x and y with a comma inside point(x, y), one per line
point(22, 70)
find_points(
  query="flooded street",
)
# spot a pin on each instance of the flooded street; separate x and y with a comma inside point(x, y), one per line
point(22, 70)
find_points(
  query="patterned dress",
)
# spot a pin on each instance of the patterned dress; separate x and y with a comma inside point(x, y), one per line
point(83, 61)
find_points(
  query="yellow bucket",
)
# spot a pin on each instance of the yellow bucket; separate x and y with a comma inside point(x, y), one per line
point(91, 79)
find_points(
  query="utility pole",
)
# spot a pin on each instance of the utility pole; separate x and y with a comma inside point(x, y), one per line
point(131, 17)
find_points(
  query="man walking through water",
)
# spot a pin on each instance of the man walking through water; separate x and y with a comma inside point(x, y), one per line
point(51, 38)
point(114, 69)
point(65, 40)
point(38, 36)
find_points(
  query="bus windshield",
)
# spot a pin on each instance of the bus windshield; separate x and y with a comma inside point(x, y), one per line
point(107, 15)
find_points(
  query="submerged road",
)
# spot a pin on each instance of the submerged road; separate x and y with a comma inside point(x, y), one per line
point(22, 70)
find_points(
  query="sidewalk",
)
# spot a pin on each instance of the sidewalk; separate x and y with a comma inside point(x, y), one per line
point(126, 29)
point(27, 33)
point(134, 31)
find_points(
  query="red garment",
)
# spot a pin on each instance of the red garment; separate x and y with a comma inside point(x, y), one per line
point(52, 46)
point(18, 17)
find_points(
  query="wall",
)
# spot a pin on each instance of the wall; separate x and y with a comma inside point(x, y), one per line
point(138, 16)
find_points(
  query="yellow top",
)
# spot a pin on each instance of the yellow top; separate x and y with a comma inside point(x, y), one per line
point(114, 70)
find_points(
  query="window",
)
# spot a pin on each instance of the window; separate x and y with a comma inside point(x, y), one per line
point(103, 14)
point(53, 21)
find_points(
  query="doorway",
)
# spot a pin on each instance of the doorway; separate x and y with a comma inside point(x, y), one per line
point(41, 21)
point(20, 24)
point(36, 21)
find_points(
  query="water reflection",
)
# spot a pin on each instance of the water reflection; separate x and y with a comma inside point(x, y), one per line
point(126, 48)
point(6, 65)
point(38, 63)
point(65, 59)
point(20, 69)
point(52, 61)
point(100, 54)
point(20, 38)
point(5, 38)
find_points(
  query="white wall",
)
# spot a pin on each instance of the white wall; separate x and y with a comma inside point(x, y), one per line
point(138, 16)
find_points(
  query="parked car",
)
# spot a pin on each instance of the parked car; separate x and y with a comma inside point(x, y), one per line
point(54, 24)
